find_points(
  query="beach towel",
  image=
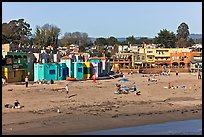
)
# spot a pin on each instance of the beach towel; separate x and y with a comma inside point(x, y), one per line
point(126, 88)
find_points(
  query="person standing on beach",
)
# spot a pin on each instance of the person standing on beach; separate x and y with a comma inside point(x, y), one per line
point(135, 88)
point(26, 81)
point(67, 89)
point(176, 73)
point(199, 75)
point(94, 78)
point(3, 81)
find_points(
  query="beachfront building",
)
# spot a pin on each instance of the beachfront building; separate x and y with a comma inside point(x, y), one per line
point(182, 57)
point(100, 66)
point(149, 56)
point(196, 61)
point(78, 70)
point(138, 59)
point(87, 70)
point(162, 57)
point(96, 66)
point(124, 60)
point(70, 66)
point(17, 66)
point(50, 71)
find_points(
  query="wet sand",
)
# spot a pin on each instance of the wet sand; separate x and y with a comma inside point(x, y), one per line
point(94, 106)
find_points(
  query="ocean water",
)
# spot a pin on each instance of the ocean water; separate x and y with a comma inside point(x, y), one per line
point(186, 127)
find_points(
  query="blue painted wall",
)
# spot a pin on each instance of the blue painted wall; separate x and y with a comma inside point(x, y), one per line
point(54, 71)
point(70, 65)
point(78, 70)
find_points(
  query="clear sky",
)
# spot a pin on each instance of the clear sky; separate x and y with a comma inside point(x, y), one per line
point(105, 19)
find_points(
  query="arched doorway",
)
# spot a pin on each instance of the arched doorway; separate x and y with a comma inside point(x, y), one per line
point(175, 64)
point(182, 64)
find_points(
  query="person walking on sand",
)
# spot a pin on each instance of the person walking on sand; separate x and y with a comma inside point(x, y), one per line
point(26, 81)
point(94, 78)
point(67, 89)
point(199, 75)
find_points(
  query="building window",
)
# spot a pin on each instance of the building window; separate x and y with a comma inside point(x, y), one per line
point(65, 72)
point(143, 57)
point(80, 70)
point(149, 51)
point(175, 51)
point(138, 57)
point(175, 58)
point(52, 71)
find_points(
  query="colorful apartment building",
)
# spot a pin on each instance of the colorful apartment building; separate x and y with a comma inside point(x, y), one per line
point(149, 56)
point(181, 57)
point(162, 56)
point(124, 60)
point(18, 63)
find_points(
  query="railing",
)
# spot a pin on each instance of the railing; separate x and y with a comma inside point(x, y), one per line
point(154, 70)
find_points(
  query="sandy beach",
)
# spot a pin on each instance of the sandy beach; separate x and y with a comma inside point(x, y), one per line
point(94, 106)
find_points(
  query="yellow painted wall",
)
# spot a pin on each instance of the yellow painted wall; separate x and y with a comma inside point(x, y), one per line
point(14, 75)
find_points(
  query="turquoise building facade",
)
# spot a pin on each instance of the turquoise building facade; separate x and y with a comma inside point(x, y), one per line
point(96, 67)
point(78, 70)
point(69, 63)
point(50, 71)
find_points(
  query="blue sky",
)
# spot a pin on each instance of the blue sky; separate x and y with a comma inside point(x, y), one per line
point(105, 19)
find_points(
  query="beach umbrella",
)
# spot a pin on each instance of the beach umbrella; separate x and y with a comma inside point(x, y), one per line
point(123, 80)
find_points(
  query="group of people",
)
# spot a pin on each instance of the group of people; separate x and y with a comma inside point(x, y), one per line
point(126, 90)
point(131, 72)
point(16, 105)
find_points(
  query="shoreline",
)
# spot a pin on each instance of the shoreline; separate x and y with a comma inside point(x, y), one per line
point(92, 107)
point(65, 124)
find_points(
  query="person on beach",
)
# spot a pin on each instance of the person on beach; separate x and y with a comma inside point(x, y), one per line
point(67, 89)
point(26, 81)
point(119, 90)
point(176, 73)
point(148, 78)
point(94, 78)
point(199, 75)
point(17, 104)
point(135, 88)
point(169, 85)
point(3, 81)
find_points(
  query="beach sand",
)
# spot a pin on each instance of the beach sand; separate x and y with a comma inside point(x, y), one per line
point(94, 106)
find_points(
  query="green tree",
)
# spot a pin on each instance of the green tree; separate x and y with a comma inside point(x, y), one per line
point(182, 43)
point(166, 38)
point(79, 38)
point(130, 40)
point(183, 31)
point(101, 41)
point(46, 35)
point(182, 36)
point(144, 40)
point(112, 41)
point(16, 31)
